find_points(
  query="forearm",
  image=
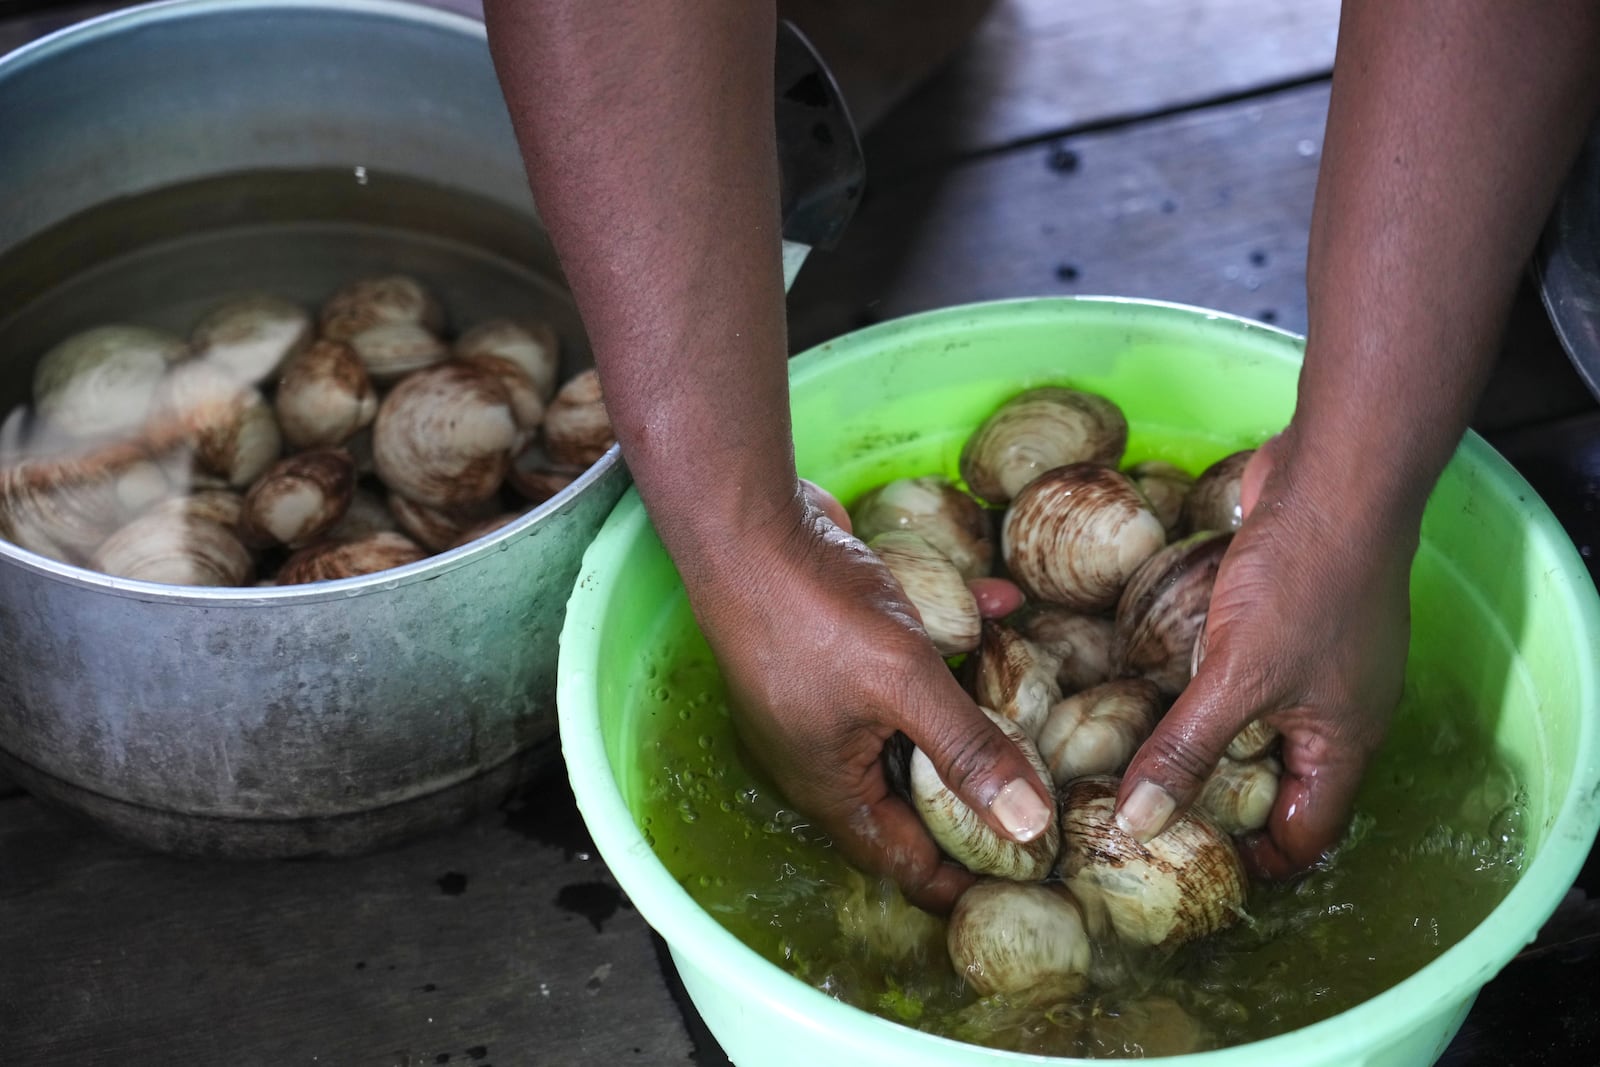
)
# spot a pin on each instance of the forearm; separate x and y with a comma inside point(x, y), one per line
point(1450, 129)
point(647, 128)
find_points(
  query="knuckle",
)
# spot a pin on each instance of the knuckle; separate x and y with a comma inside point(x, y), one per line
point(1176, 759)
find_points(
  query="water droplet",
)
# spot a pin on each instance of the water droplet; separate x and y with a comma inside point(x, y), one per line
point(683, 713)
point(1306, 148)
point(361, 175)
point(706, 742)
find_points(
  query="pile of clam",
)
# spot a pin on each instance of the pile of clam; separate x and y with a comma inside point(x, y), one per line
point(274, 446)
point(1117, 567)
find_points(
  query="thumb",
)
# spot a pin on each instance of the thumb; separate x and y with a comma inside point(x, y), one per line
point(981, 764)
point(1166, 774)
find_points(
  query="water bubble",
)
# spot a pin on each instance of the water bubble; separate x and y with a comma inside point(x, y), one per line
point(661, 693)
point(361, 175)
point(706, 741)
point(683, 713)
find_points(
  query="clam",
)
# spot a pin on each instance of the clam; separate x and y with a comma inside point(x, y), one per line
point(963, 834)
point(1009, 938)
point(435, 528)
point(63, 507)
point(1098, 730)
point(1253, 742)
point(103, 380)
point(1165, 486)
point(527, 406)
point(443, 436)
point(225, 424)
point(324, 396)
point(537, 477)
point(934, 586)
point(577, 430)
point(935, 510)
point(533, 346)
point(1081, 643)
point(251, 336)
point(176, 548)
point(1238, 795)
point(221, 506)
point(1186, 884)
point(391, 350)
point(369, 302)
point(1036, 431)
point(298, 499)
point(1213, 501)
point(328, 561)
point(1013, 676)
point(1161, 611)
point(1076, 534)
point(367, 514)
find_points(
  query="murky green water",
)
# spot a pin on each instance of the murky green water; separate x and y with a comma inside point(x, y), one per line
point(1435, 845)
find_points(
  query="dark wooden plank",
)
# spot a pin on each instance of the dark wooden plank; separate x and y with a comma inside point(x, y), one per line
point(506, 942)
point(1035, 67)
point(1209, 208)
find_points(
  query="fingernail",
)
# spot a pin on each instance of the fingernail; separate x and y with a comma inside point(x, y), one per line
point(1146, 812)
point(1020, 811)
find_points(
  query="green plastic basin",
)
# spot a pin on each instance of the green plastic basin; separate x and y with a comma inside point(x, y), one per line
point(1506, 617)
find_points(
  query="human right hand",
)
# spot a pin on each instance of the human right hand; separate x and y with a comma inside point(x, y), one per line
point(825, 660)
point(1307, 631)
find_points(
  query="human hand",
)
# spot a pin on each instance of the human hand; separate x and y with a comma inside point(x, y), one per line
point(825, 660)
point(1307, 630)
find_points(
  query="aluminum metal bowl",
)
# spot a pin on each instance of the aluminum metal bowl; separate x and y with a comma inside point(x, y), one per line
point(324, 719)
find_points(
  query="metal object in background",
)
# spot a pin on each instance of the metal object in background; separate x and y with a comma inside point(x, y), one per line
point(1568, 264)
point(345, 716)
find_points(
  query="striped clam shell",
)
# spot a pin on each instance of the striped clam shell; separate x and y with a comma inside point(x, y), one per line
point(1163, 607)
point(1213, 501)
point(1038, 430)
point(1076, 534)
point(1186, 884)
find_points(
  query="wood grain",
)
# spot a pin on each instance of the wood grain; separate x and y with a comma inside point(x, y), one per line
point(1037, 67)
point(506, 942)
point(1209, 208)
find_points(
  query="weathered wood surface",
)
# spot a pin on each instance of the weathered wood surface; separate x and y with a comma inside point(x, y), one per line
point(1209, 208)
point(1037, 67)
point(505, 943)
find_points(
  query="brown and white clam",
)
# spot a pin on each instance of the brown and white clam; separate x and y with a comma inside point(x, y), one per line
point(63, 507)
point(934, 587)
point(226, 425)
point(1013, 676)
point(577, 430)
point(935, 510)
point(1098, 730)
point(436, 528)
point(252, 336)
point(1238, 795)
point(527, 406)
point(175, 547)
point(367, 514)
point(443, 436)
point(103, 380)
point(328, 561)
point(298, 499)
point(1165, 486)
point(536, 477)
point(1035, 431)
point(533, 346)
point(1076, 534)
point(391, 350)
point(1213, 501)
point(1163, 608)
point(369, 302)
point(1082, 644)
point(962, 832)
point(1010, 938)
point(1186, 884)
point(324, 396)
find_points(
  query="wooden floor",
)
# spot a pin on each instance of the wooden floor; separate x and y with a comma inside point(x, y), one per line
point(1160, 148)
